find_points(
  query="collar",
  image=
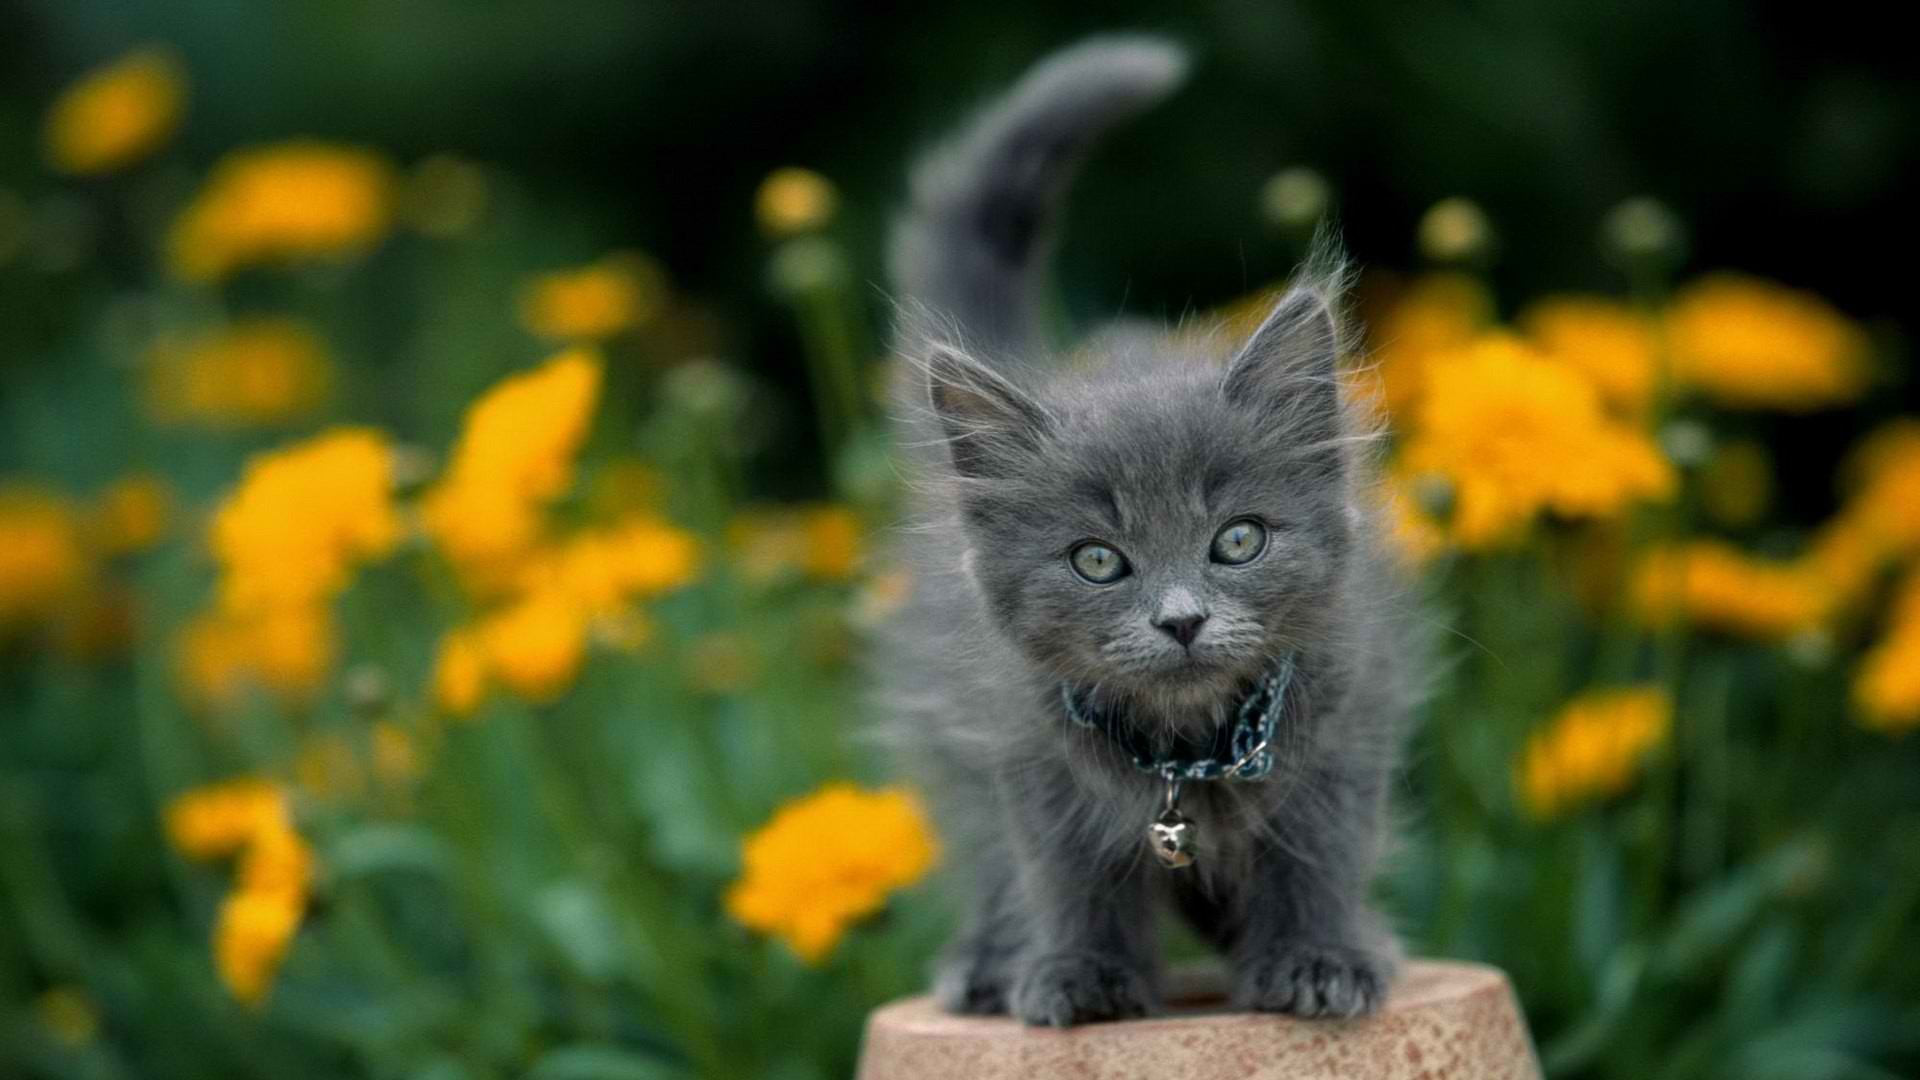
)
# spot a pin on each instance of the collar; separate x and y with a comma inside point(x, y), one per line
point(1242, 750)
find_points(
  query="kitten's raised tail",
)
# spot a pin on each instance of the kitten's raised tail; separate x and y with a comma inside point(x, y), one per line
point(971, 241)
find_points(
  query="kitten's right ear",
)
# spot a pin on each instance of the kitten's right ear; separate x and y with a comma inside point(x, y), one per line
point(988, 420)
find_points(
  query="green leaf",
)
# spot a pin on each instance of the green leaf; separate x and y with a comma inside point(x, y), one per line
point(382, 849)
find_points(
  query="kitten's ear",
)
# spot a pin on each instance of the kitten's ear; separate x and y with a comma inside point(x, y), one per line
point(987, 419)
point(1291, 361)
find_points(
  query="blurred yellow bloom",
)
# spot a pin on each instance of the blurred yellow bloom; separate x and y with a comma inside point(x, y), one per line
point(131, 514)
point(117, 114)
point(1591, 748)
point(514, 455)
point(217, 820)
point(794, 200)
point(1515, 435)
point(1745, 343)
point(69, 1014)
point(326, 767)
point(1736, 485)
point(293, 200)
point(396, 757)
point(255, 372)
point(619, 292)
point(1884, 506)
point(43, 562)
point(600, 570)
point(252, 818)
point(1438, 313)
point(251, 938)
point(1608, 342)
point(1887, 685)
point(824, 542)
point(302, 517)
point(826, 861)
point(1713, 585)
point(288, 649)
point(535, 646)
point(459, 673)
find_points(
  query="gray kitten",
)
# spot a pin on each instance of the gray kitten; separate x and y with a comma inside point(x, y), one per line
point(1147, 527)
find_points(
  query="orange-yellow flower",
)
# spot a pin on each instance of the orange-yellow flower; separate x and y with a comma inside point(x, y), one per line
point(1746, 343)
point(596, 301)
point(459, 673)
point(535, 646)
point(220, 819)
point(256, 372)
point(1515, 435)
point(42, 559)
point(291, 201)
point(828, 860)
point(1713, 585)
point(824, 542)
point(1606, 341)
point(117, 114)
point(515, 454)
point(131, 514)
point(1439, 313)
point(1591, 748)
point(793, 200)
point(251, 818)
point(251, 938)
point(1887, 685)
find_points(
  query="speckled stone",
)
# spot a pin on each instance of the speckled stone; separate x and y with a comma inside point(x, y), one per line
point(1443, 1021)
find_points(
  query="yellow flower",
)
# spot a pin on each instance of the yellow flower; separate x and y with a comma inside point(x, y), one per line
point(1745, 343)
point(1591, 748)
point(1887, 685)
point(1884, 507)
point(822, 542)
point(218, 820)
point(291, 201)
point(131, 514)
point(251, 939)
point(514, 455)
point(1608, 342)
point(621, 291)
point(535, 646)
point(1412, 534)
point(117, 114)
point(302, 517)
point(252, 818)
point(1439, 313)
point(69, 1014)
point(459, 673)
point(255, 372)
point(793, 200)
point(42, 560)
point(1712, 585)
point(826, 861)
point(1515, 435)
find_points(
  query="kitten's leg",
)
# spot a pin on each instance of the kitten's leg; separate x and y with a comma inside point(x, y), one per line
point(1308, 942)
point(974, 975)
point(1089, 952)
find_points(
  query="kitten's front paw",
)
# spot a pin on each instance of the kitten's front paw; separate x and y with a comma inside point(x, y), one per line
point(1064, 989)
point(1310, 979)
point(972, 983)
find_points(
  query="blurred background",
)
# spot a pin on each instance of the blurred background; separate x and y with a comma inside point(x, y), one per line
point(443, 496)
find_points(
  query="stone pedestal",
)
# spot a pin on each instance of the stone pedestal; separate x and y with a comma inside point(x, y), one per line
point(1443, 1021)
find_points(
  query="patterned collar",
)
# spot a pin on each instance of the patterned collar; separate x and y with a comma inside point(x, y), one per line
point(1242, 750)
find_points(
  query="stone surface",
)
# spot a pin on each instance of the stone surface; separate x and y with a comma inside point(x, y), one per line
point(1443, 1021)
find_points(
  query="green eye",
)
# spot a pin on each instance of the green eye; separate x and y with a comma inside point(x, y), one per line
point(1098, 563)
point(1240, 542)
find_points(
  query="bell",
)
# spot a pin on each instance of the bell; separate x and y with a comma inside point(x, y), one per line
point(1173, 838)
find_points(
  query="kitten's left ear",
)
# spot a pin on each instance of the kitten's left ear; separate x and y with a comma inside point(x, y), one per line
point(1289, 365)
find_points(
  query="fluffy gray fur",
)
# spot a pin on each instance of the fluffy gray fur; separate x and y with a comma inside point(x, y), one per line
point(1149, 443)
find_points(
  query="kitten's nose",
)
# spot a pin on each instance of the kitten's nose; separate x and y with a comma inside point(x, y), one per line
point(1182, 629)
